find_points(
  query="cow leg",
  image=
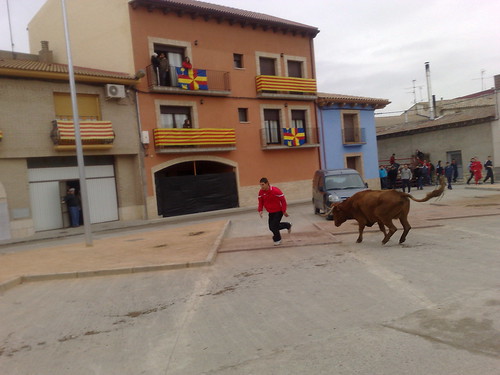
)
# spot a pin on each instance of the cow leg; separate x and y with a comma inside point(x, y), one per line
point(406, 228)
point(382, 227)
point(392, 229)
point(361, 228)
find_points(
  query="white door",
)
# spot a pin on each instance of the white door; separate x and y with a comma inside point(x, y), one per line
point(46, 205)
point(103, 204)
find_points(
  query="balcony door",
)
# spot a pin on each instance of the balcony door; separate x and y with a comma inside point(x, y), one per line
point(272, 126)
point(173, 117)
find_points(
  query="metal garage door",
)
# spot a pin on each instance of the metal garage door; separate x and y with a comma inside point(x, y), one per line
point(181, 195)
point(46, 205)
point(46, 197)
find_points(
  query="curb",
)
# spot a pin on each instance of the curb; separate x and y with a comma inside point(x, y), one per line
point(209, 260)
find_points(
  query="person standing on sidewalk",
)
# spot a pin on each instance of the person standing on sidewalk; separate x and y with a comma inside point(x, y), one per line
point(406, 176)
point(488, 165)
point(448, 172)
point(273, 200)
point(73, 204)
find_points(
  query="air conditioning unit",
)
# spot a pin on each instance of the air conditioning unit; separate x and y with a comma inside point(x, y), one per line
point(115, 91)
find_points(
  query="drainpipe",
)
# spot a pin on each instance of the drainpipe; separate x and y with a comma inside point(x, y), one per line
point(141, 158)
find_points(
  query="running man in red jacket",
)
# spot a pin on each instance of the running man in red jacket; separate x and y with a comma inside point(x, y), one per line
point(273, 200)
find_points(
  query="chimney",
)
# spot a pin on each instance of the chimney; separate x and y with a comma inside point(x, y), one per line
point(45, 55)
point(497, 82)
point(429, 90)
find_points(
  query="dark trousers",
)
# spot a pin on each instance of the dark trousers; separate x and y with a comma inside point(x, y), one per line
point(489, 174)
point(74, 215)
point(406, 183)
point(471, 177)
point(275, 224)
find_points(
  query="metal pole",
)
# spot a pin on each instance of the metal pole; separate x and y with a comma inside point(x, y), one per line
point(78, 139)
point(429, 90)
point(10, 30)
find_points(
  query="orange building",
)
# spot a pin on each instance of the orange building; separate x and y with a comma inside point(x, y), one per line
point(249, 95)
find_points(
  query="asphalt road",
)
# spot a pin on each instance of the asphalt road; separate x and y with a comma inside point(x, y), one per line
point(429, 306)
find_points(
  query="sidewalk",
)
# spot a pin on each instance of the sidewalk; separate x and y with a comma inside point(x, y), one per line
point(194, 240)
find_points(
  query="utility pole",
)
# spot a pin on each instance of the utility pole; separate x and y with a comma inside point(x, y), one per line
point(78, 138)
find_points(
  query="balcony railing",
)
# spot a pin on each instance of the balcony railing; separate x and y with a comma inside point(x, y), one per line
point(192, 140)
point(285, 85)
point(353, 136)
point(292, 138)
point(213, 82)
point(93, 134)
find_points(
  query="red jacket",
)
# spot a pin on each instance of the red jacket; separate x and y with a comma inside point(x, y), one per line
point(273, 200)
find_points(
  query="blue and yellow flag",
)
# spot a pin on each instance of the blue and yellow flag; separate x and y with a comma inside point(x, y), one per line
point(294, 136)
point(192, 79)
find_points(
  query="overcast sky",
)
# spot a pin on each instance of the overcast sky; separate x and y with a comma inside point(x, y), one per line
point(367, 47)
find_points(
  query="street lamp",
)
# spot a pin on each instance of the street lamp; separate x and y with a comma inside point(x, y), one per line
point(78, 139)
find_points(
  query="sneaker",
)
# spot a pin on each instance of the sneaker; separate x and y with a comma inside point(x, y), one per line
point(277, 243)
point(290, 229)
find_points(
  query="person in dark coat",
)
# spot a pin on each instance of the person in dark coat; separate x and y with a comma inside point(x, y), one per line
point(448, 172)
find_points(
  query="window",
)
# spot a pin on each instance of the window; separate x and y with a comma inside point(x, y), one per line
point(298, 119)
point(350, 127)
point(267, 66)
point(174, 117)
point(238, 60)
point(354, 162)
point(174, 55)
point(88, 106)
point(294, 68)
point(272, 126)
point(243, 114)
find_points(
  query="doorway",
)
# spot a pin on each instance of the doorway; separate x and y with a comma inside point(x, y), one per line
point(457, 156)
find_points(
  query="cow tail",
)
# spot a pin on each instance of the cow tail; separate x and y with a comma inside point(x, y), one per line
point(433, 194)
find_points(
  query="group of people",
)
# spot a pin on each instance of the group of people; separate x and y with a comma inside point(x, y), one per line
point(476, 170)
point(426, 173)
point(161, 67)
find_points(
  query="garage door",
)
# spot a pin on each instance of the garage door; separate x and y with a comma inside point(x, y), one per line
point(181, 195)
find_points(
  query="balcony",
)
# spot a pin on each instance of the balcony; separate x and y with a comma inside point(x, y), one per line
point(169, 140)
point(286, 87)
point(95, 135)
point(193, 82)
point(288, 138)
point(353, 136)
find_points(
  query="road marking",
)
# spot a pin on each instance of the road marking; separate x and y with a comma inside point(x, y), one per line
point(475, 233)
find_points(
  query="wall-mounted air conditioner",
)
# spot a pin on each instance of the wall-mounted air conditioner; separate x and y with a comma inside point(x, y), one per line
point(115, 91)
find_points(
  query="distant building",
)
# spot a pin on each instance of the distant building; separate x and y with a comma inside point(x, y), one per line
point(463, 128)
point(347, 135)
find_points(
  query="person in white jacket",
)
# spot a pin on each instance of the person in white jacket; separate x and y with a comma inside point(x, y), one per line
point(406, 176)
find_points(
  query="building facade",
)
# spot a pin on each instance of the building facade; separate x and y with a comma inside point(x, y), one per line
point(249, 95)
point(37, 144)
point(348, 137)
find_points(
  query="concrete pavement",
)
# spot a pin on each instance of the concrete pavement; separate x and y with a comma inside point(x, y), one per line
point(195, 240)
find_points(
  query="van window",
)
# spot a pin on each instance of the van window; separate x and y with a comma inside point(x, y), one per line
point(344, 181)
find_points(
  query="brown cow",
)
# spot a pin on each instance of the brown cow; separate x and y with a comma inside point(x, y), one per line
point(380, 206)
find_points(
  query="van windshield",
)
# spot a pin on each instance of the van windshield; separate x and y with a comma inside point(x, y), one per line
point(344, 182)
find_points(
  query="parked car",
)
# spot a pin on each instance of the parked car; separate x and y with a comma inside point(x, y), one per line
point(336, 185)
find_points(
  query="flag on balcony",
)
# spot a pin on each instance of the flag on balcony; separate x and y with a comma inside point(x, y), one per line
point(91, 132)
point(192, 79)
point(294, 136)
